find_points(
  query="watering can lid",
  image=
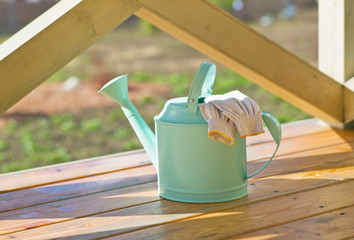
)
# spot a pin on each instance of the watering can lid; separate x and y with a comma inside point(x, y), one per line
point(185, 110)
point(175, 112)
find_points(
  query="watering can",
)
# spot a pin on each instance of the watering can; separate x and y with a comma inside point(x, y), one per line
point(191, 167)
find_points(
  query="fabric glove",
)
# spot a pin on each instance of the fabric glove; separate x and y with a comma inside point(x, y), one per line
point(232, 108)
point(219, 126)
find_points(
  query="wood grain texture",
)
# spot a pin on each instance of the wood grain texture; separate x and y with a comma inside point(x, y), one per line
point(292, 163)
point(303, 189)
point(290, 130)
point(266, 192)
point(237, 46)
point(333, 225)
point(235, 221)
point(126, 195)
point(349, 103)
point(47, 44)
point(50, 193)
point(331, 34)
point(78, 169)
point(61, 211)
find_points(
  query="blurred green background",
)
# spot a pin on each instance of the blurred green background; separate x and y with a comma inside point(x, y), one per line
point(65, 119)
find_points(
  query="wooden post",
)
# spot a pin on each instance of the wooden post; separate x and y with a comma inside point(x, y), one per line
point(336, 47)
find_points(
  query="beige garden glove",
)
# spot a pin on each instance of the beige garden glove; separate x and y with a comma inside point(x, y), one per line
point(236, 108)
point(219, 126)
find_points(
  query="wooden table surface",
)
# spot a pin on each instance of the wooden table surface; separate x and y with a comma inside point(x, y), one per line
point(307, 192)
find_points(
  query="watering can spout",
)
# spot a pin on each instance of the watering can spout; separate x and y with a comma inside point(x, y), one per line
point(117, 89)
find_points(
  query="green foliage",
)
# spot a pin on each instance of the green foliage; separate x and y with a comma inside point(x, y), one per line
point(227, 81)
point(77, 67)
point(121, 133)
point(3, 145)
point(59, 119)
point(130, 145)
point(58, 76)
point(10, 126)
point(4, 37)
point(147, 27)
point(146, 99)
point(141, 77)
point(67, 126)
point(40, 141)
point(224, 4)
point(180, 82)
point(115, 114)
point(91, 125)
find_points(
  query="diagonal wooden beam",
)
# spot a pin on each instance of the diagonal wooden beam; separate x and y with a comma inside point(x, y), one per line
point(52, 40)
point(348, 101)
point(217, 34)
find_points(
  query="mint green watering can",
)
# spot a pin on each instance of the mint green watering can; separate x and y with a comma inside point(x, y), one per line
point(191, 167)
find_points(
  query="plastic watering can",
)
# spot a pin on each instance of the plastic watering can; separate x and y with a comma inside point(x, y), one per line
point(191, 167)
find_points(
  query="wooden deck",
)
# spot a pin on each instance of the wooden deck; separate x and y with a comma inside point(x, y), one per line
point(307, 192)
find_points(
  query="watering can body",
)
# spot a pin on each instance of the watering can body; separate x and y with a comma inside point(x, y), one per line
point(194, 168)
point(191, 167)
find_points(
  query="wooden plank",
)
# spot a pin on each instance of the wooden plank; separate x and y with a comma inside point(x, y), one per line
point(259, 189)
point(237, 46)
point(52, 40)
point(333, 225)
point(307, 160)
point(295, 161)
point(75, 188)
point(291, 130)
point(332, 157)
point(239, 220)
point(314, 159)
point(102, 201)
point(301, 143)
point(181, 219)
point(61, 211)
point(78, 169)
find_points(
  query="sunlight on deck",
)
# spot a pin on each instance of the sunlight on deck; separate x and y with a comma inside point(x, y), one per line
point(304, 192)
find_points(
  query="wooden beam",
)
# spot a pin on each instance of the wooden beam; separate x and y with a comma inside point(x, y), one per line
point(217, 34)
point(336, 48)
point(52, 40)
point(349, 103)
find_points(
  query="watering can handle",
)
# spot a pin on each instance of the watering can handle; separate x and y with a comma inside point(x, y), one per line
point(274, 128)
point(202, 84)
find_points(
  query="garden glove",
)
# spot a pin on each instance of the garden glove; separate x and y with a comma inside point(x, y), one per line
point(237, 108)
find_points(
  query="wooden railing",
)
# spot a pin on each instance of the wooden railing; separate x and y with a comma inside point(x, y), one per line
point(64, 31)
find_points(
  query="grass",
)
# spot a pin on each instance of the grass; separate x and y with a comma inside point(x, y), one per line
point(43, 140)
point(37, 140)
